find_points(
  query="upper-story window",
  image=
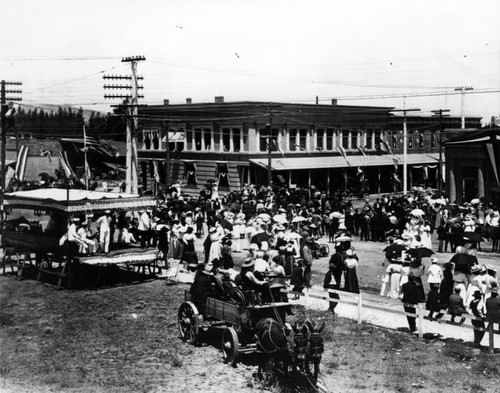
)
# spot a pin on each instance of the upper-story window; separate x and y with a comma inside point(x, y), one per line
point(345, 139)
point(319, 139)
point(292, 137)
point(369, 139)
point(303, 139)
point(207, 137)
point(268, 136)
point(330, 134)
point(197, 138)
point(433, 140)
point(410, 140)
point(236, 139)
point(226, 136)
point(354, 139)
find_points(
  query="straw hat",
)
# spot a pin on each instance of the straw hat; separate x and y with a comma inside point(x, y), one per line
point(248, 262)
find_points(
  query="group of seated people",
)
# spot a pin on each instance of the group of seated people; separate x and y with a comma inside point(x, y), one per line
point(258, 280)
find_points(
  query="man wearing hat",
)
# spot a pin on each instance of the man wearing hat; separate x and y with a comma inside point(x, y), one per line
point(249, 281)
point(475, 306)
point(434, 273)
point(104, 225)
point(308, 260)
point(493, 306)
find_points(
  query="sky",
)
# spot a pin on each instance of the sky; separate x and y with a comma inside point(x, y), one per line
point(397, 53)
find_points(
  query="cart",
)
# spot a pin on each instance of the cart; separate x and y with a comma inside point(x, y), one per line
point(241, 322)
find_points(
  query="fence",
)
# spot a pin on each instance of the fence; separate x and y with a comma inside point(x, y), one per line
point(358, 301)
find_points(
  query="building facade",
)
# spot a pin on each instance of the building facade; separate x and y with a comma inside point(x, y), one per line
point(353, 149)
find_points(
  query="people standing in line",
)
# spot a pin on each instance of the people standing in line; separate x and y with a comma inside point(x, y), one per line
point(104, 225)
point(476, 309)
point(410, 299)
point(351, 276)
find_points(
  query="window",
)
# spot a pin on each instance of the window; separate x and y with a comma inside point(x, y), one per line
point(237, 139)
point(216, 146)
point(189, 139)
point(292, 135)
point(433, 140)
point(345, 139)
point(190, 173)
point(394, 140)
point(319, 139)
point(410, 140)
point(303, 139)
point(329, 138)
point(421, 139)
point(197, 138)
point(226, 136)
point(207, 137)
point(369, 139)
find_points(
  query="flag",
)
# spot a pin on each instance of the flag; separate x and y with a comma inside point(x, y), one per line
point(426, 172)
point(22, 158)
point(302, 148)
point(8, 176)
point(395, 160)
point(278, 148)
point(362, 150)
point(343, 153)
point(491, 154)
point(63, 158)
point(387, 146)
point(396, 178)
point(156, 174)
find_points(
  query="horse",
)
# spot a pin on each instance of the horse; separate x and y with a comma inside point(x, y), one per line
point(308, 356)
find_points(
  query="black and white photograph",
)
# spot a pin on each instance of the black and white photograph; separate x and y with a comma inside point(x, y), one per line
point(249, 196)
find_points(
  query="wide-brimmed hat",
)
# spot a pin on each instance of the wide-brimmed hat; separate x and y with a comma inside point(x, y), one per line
point(475, 269)
point(282, 210)
point(212, 230)
point(490, 267)
point(248, 262)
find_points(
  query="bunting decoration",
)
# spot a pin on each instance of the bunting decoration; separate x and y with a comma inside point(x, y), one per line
point(396, 178)
point(156, 173)
point(387, 146)
point(395, 160)
point(343, 153)
point(63, 158)
point(21, 163)
point(362, 150)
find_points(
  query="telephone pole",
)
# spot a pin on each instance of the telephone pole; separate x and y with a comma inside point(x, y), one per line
point(131, 104)
point(440, 113)
point(462, 90)
point(405, 147)
point(6, 113)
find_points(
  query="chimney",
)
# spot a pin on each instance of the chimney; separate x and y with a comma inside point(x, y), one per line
point(219, 99)
point(334, 101)
point(189, 101)
point(317, 100)
point(166, 102)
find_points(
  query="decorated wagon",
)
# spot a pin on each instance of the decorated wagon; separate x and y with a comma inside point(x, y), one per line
point(37, 219)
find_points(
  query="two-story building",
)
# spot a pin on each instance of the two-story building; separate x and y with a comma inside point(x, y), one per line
point(333, 147)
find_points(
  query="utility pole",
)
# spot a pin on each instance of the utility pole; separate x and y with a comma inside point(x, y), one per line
point(270, 140)
point(405, 147)
point(131, 104)
point(462, 90)
point(6, 112)
point(439, 113)
point(166, 125)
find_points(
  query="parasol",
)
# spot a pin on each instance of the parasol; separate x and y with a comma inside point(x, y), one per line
point(264, 216)
point(463, 259)
point(336, 215)
point(420, 252)
point(440, 201)
point(292, 235)
point(298, 219)
point(280, 219)
point(417, 212)
point(343, 238)
point(475, 201)
point(473, 237)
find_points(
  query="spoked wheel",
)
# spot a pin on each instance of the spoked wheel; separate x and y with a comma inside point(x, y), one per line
point(230, 346)
point(267, 372)
point(323, 250)
point(187, 321)
point(236, 296)
point(313, 370)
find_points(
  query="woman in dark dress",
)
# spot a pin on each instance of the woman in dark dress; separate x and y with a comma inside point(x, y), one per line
point(204, 285)
point(446, 288)
point(351, 277)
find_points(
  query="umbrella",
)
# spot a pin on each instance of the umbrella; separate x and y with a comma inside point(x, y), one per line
point(264, 216)
point(440, 201)
point(473, 237)
point(420, 252)
point(475, 201)
point(298, 219)
point(463, 259)
point(394, 250)
point(292, 235)
point(343, 238)
point(336, 215)
point(226, 224)
point(280, 219)
point(417, 212)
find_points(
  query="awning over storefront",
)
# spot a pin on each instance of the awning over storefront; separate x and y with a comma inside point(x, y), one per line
point(326, 162)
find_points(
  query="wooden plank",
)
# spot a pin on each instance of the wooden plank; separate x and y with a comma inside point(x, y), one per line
point(222, 310)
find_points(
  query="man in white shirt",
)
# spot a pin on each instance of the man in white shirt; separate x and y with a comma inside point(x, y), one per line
point(144, 228)
point(104, 225)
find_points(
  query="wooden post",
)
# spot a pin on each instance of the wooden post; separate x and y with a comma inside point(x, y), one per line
point(360, 306)
point(420, 316)
point(306, 297)
point(492, 339)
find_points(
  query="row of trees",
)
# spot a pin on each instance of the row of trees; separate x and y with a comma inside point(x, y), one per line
point(68, 122)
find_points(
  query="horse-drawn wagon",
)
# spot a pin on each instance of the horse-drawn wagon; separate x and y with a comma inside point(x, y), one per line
point(250, 327)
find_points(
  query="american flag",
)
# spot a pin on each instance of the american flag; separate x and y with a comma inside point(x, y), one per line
point(21, 163)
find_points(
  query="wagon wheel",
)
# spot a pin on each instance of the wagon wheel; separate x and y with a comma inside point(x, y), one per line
point(267, 372)
point(230, 346)
point(323, 250)
point(235, 295)
point(187, 321)
point(312, 369)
